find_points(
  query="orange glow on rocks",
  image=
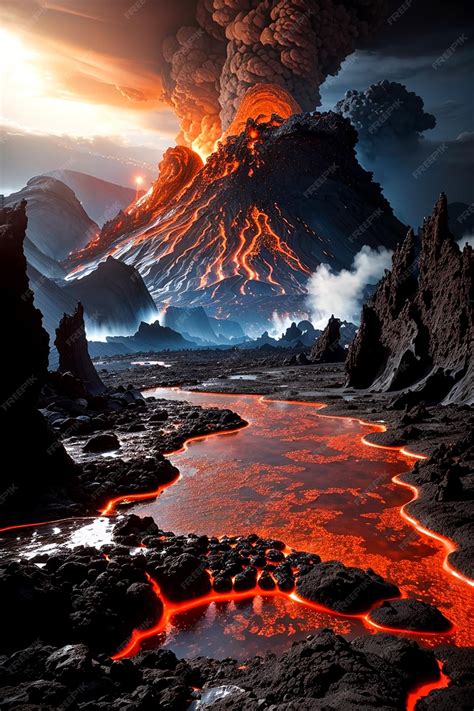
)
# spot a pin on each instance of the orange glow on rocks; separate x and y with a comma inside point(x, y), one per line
point(287, 501)
point(423, 690)
point(262, 103)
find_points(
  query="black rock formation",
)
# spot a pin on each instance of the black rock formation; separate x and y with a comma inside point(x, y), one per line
point(151, 338)
point(74, 356)
point(327, 347)
point(50, 299)
point(343, 588)
point(417, 329)
point(114, 297)
point(33, 459)
point(410, 614)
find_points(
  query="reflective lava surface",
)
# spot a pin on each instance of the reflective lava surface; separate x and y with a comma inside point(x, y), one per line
point(293, 474)
point(309, 480)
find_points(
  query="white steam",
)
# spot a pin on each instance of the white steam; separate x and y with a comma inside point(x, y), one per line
point(280, 322)
point(342, 294)
point(469, 239)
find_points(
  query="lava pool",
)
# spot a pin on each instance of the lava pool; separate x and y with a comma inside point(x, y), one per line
point(309, 480)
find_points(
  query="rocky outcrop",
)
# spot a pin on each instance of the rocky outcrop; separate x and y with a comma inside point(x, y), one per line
point(32, 458)
point(74, 356)
point(114, 297)
point(343, 588)
point(57, 222)
point(409, 614)
point(417, 329)
point(327, 347)
point(152, 338)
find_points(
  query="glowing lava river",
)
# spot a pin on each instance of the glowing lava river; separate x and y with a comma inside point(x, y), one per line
point(296, 475)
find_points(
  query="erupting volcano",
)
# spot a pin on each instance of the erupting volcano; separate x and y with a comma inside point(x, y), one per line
point(246, 230)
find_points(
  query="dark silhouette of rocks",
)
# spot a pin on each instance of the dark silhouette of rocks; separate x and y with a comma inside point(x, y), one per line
point(33, 459)
point(410, 614)
point(114, 297)
point(327, 347)
point(74, 356)
point(344, 588)
point(417, 329)
point(151, 337)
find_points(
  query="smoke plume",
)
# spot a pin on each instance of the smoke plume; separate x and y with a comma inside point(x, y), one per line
point(342, 294)
point(384, 115)
point(237, 44)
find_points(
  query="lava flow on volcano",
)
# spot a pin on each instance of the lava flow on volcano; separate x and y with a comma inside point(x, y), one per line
point(270, 205)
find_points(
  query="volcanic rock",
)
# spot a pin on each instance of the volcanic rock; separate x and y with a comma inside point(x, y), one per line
point(151, 338)
point(284, 196)
point(417, 329)
point(410, 615)
point(326, 672)
point(102, 443)
point(327, 347)
point(344, 589)
point(182, 577)
point(32, 469)
point(114, 297)
point(73, 353)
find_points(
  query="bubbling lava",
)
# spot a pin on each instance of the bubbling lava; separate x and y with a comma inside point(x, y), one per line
point(263, 103)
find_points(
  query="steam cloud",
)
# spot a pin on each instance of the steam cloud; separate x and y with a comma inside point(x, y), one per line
point(385, 113)
point(237, 44)
point(467, 239)
point(342, 294)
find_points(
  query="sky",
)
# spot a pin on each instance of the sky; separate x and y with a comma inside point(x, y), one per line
point(82, 81)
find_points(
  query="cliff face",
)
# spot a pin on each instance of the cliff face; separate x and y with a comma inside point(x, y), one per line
point(33, 459)
point(57, 222)
point(115, 298)
point(73, 352)
point(327, 347)
point(417, 329)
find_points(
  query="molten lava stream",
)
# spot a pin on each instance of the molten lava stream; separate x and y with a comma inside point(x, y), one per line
point(292, 475)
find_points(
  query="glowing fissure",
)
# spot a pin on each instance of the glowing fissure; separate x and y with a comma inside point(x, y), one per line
point(168, 236)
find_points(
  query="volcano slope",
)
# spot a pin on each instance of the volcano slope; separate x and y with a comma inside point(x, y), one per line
point(249, 227)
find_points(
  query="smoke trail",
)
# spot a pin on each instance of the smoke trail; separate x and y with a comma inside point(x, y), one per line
point(342, 294)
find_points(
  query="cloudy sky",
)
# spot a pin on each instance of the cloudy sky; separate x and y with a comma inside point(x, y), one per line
point(82, 80)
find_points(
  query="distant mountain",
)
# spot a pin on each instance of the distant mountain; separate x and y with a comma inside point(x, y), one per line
point(152, 338)
point(194, 324)
point(101, 199)
point(41, 262)
point(224, 328)
point(115, 299)
point(57, 222)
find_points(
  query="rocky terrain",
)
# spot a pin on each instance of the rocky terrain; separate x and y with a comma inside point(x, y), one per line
point(416, 330)
point(115, 299)
point(114, 591)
